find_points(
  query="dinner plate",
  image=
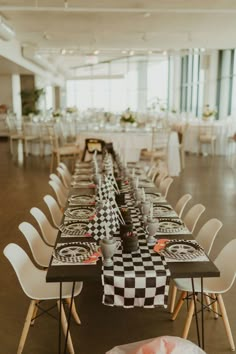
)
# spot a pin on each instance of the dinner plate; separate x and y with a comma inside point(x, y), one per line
point(84, 171)
point(82, 214)
point(170, 225)
point(82, 184)
point(72, 252)
point(81, 177)
point(81, 199)
point(74, 228)
point(182, 249)
point(163, 210)
point(147, 184)
point(154, 197)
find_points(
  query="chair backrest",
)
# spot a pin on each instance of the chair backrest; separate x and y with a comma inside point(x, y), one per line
point(206, 130)
point(54, 209)
point(25, 270)
point(58, 181)
point(64, 177)
point(49, 232)
point(193, 215)
point(160, 138)
point(53, 138)
point(40, 251)
point(92, 145)
point(65, 168)
point(207, 234)
point(181, 204)
point(226, 263)
point(11, 123)
point(162, 175)
point(61, 198)
point(165, 185)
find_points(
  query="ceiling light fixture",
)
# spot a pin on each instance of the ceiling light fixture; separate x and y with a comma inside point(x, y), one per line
point(150, 52)
point(147, 14)
point(63, 51)
point(164, 52)
point(65, 4)
point(6, 31)
point(96, 52)
point(124, 51)
point(131, 52)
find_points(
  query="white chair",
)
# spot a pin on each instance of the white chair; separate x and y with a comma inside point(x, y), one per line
point(226, 263)
point(181, 204)
point(193, 215)
point(64, 177)
point(161, 176)
point(65, 168)
point(40, 250)
point(165, 186)
point(49, 232)
point(54, 209)
point(33, 283)
point(56, 179)
point(61, 197)
point(14, 133)
point(207, 136)
point(205, 237)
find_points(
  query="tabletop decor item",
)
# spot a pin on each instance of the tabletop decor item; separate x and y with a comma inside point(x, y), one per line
point(127, 117)
point(81, 200)
point(130, 242)
point(208, 113)
point(75, 253)
point(108, 249)
point(152, 227)
point(182, 249)
point(80, 213)
point(74, 228)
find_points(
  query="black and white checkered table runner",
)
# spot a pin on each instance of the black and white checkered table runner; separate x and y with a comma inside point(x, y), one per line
point(137, 279)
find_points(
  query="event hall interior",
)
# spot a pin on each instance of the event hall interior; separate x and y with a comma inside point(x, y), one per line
point(90, 226)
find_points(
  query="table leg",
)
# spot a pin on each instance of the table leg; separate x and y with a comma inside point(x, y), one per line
point(202, 310)
point(195, 312)
point(59, 336)
point(69, 316)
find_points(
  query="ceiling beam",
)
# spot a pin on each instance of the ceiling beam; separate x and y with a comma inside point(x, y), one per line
point(143, 10)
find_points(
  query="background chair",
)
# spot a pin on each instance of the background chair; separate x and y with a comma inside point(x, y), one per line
point(205, 237)
point(33, 283)
point(54, 209)
point(226, 263)
point(92, 145)
point(165, 186)
point(49, 233)
point(193, 215)
point(181, 204)
point(14, 133)
point(61, 197)
point(207, 136)
point(64, 177)
point(61, 186)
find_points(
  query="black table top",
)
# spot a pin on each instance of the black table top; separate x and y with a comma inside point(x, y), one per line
point(69, 273)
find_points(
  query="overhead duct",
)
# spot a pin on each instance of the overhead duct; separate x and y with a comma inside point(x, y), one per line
point(29, 53)
point(6, 31)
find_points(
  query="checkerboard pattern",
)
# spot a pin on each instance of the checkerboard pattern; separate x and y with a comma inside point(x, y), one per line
point(106, 215)
point(140, 279)
point(137, 279)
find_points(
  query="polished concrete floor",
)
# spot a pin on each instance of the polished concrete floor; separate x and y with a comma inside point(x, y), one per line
point(24, 183)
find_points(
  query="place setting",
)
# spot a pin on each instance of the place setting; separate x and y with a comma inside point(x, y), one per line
point(81, 200)
point(79, 213)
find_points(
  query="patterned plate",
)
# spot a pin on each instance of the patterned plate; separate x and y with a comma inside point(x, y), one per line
point(82, 184)
point(154, 197)
point(82, 214)
point(74, 228)
point(80, 177)
point(147, 184)
point(163, 210)
point(85, 171)
point(81, 199)
point(170, 225)
point(182, 249)
point(72, 252)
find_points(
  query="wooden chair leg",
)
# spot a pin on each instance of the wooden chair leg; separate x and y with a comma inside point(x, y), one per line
point(11, 146)
point(225, 320)
point(73, 310)
point(179, 305)
point(173, 297)
point(26, 326)
point(215, 307)
point(52, 162)
point(207, 301)
point(188, 320)
point(64, 327)
point(34, 313)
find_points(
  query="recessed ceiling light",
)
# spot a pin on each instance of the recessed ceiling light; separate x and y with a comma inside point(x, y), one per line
point(124, 52)
point(164, 52)
point(71, 51)
point(63, 51)
point(203, 49)
point(96, 52)
point(147, 14)
point(150, 52)
point(131, 52)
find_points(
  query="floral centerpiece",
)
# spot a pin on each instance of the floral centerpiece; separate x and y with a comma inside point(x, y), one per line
point(208, 113)
point(127, 117)
point(71, 110)
point(57, 114)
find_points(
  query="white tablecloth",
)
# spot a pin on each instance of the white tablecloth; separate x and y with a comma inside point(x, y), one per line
point(131, 143)
point(222, 129)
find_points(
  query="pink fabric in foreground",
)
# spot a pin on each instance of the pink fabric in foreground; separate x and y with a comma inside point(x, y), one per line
point(159, 345)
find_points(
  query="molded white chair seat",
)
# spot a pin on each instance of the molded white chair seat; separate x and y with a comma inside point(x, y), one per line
point(61, 197)
point(41, 252)
point(65, 168)
point(64, 177)
point(54, 209)
point(34, 285)
point(181, 204)
point(159, 345)
point(165, 186)
point(193, 215)
point(226, 263)
point(49, 232)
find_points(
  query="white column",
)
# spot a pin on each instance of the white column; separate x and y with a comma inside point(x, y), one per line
point(175, 82)
point(16, 97)
point(142, 86)
point(211, 73)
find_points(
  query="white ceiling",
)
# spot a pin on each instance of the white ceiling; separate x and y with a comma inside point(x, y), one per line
point(67, 31)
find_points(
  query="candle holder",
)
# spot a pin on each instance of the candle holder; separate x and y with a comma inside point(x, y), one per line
point(152, 227)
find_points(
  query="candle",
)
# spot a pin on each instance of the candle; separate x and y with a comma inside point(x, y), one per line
point(137, 182)
point(107, 231)
point(143, 194)
point(151, 211)
point(133, 172)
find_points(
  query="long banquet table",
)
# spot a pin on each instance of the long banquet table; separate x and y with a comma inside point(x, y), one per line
point(92, 273)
